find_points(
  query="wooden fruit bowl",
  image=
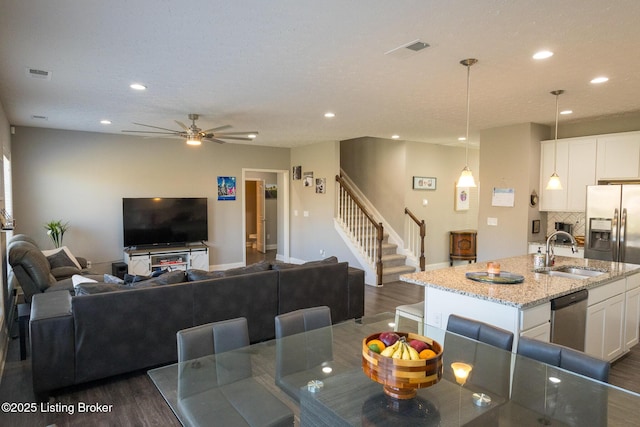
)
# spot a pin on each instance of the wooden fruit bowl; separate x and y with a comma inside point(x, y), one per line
point(402, 378)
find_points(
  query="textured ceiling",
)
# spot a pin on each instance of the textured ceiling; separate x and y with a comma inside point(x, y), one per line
point(278, 66)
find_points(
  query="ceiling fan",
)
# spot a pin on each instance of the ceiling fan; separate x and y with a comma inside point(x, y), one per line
point(194, 135)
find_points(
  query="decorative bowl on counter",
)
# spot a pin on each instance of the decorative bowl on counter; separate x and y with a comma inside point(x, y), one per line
point(400, 377)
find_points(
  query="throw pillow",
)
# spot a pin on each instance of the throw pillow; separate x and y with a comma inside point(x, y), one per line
point(134, 278)
point(330, 260)
point(99, 288)
point(61, 257)
point(108, 278)
point(195, 274)
point(253, 268)
point(169, 278)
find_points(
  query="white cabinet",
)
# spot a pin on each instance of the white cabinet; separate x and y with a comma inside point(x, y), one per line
point(605, 320)
point(576, 166)
point(535, 322)
point(632, 311)
point(144, 262)
point(618, 156)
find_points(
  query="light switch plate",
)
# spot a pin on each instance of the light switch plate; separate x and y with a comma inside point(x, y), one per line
point(492, 221)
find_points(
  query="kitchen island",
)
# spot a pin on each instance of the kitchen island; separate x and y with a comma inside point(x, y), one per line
point(613, 314)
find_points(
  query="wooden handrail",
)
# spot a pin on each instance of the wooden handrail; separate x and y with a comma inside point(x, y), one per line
point(423, 232)
point(377, 225)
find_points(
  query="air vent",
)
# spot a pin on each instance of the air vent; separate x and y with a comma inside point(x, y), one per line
point(35, 117)
point(407, 49)
point(38, 74)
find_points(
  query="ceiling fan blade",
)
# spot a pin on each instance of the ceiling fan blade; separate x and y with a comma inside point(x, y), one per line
point(219, 141)
point(237, 138)
point(182, 125)
point(155, 127)
point(236, 133)
point(173, 132)
point(217, 129)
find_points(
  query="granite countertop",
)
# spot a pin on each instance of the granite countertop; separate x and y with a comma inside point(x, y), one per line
point(536, 288)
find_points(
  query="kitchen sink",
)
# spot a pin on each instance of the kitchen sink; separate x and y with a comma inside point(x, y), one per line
point(570, 272)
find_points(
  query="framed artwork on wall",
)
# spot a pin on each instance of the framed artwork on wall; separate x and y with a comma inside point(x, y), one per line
point(226, 188)
point(462, 198)
point(424, 183)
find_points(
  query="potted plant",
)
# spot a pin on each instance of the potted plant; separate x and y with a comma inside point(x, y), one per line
point(55, 231)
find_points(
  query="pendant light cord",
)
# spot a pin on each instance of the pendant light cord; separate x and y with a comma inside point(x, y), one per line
point(466, 154)
point(555, 143)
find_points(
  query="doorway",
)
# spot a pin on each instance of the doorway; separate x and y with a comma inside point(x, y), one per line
point(265, 211)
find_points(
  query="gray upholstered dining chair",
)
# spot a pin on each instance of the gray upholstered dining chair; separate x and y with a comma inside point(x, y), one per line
point(565, 358)
point(486, 348)
point(223, 391)
point(480, 331)
point(555, 394)
point(301, 357)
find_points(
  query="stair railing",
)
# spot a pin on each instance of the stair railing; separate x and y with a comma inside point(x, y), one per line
point(360, 225)
point(414, 239)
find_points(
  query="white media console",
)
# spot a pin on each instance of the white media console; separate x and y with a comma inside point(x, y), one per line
point(144, 261)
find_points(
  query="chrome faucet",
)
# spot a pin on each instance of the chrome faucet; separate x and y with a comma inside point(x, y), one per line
point(549, 256)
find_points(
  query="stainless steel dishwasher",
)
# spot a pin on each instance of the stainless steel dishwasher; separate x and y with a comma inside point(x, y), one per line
point(569, 319)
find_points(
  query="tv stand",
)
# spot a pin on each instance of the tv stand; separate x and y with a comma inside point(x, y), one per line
point(144, 261)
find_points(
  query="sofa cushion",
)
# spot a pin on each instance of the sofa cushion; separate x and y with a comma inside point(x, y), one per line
point(63, 272)
point(61, 257)
point(277, 265)
point(329, 260)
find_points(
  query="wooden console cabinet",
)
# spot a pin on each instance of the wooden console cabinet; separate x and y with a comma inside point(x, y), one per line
point(144, 261)
point(462, 245)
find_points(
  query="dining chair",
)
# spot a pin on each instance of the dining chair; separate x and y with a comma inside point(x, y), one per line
point(304, 346)
point(565, 358)
point(223, 389)
point(555, 394)
point(483, 346)
point(480, 331)
point(413, 312)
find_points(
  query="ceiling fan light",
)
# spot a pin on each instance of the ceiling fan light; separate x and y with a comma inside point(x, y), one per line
point(466, 178)
point(194, 140)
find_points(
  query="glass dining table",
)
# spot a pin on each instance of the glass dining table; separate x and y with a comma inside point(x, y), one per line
point(319, 376)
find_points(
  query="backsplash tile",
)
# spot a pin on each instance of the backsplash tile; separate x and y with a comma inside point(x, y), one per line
point(575, 218)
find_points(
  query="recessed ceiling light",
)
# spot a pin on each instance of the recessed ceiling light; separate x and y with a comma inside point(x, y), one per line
point(395, 136)
point(137, 86)
point(329, 115)
point(565, 112)
point(252, 135)
point(543, 54)
point(105, 122)
point(600, 80)
point(462, 138)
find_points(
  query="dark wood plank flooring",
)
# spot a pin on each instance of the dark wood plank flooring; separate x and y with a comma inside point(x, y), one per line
point(136, 401)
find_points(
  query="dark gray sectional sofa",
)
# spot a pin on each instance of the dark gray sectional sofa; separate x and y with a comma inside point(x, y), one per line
point(75, 339)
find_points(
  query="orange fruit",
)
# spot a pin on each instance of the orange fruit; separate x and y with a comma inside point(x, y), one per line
point(427, 354)
point(376, 345)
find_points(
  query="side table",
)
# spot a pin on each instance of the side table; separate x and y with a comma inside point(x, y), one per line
point(462, 245)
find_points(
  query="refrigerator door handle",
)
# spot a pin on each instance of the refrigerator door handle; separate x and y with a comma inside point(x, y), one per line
point(614, 234)
point(623, 235)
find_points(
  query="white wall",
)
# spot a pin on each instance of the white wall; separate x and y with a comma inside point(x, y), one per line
point(81, 177)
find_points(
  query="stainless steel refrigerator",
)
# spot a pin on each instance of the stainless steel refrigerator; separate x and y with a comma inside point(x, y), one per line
point(613, 223)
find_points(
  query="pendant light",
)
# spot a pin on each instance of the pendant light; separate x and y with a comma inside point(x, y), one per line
point(554, 181)
point(466, 177)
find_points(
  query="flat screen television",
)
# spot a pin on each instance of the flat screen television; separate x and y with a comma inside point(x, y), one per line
point(163, 221)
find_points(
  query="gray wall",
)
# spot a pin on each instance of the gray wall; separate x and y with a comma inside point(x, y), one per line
point(81, 177)
point(509, 158)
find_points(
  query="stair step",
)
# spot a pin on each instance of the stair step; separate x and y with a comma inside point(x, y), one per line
point(393, 260)
point(393, 274)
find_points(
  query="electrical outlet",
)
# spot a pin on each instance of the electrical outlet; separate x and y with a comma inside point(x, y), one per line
point(437, 320)
point(88, 264)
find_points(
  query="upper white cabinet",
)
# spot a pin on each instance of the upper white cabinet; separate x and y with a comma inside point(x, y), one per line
point(618, 156)
point(575, 163)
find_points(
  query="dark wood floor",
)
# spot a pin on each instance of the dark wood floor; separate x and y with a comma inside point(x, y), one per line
point(136, 401)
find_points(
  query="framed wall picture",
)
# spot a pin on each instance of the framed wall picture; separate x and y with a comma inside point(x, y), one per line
point(462, 198)
point(424, 183)
point(535, 226)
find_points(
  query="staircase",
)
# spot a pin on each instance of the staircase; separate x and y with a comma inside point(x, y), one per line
point(383, 260)
point(393, 263)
